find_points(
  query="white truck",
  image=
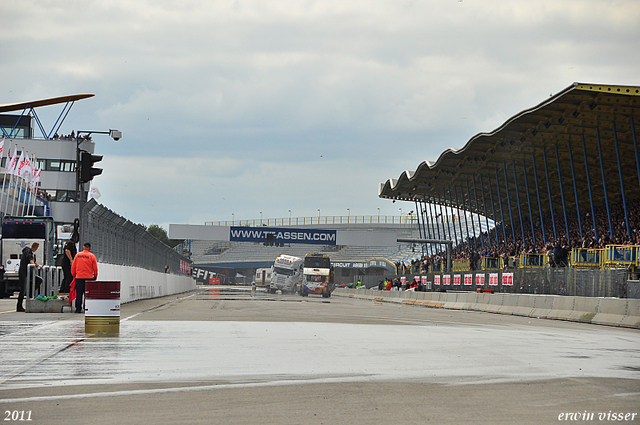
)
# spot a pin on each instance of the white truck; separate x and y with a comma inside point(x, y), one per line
point(263, 277)
point(17, 233)
point(287, 274)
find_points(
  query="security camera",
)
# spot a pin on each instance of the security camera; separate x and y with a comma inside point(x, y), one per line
point(115, 134)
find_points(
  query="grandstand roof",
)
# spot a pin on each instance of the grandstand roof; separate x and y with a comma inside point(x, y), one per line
point(9, 107)
point(579, 114)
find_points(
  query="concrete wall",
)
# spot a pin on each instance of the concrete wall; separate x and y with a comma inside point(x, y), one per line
point(137, 284)
point(604, 311)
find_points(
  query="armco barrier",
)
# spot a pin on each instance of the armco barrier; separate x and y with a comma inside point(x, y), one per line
point(604, 311)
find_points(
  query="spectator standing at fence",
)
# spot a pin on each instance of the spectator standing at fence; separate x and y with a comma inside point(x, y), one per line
point(69, 252)
point(83, 268)
point(28, 257)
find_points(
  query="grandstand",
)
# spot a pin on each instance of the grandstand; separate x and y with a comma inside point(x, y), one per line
point(556, 185)
point(245, 257)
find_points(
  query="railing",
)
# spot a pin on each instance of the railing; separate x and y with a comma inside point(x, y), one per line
point(43, 281)
point(306, 221)
point(531, 261)
point(459, 265)
point(586, 258)
point(492, 263)
point(620, 256)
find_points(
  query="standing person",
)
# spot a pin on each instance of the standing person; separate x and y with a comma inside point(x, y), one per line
point(28, 257)
point(69, 252)
point(83, 268)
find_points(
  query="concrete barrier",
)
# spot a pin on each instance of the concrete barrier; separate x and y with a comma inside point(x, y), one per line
point(562, 308)
point(509, 304)
point(525, 306)
point(543, 304)
point(137, 284)
point(610, 312)
point(584, 309)
point(605, 311)
point(48, 306)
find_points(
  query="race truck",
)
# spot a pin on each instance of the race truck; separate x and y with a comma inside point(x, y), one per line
point(287, 274)
point(317, 276)
point(263, 277)
point(17, 233)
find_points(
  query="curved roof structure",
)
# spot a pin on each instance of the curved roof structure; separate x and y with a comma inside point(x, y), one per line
point(544, 150)
point(10, 107)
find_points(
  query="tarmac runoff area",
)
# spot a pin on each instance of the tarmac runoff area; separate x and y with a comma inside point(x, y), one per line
point(219, 355)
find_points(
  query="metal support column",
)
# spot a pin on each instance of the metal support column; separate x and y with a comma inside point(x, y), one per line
point(635, 146)
point(493, 209)
point(566, 222)
point(504, 233)
point(418, 215)
point(466, 223)
point(604, 182)
point(444, 198)
point(535, 178)
point(586, 169)
point(526, 186)
point(473, 226)
point(434, 217)
point(515, 180)
point(458, 210)
point(475, 196)
point(444, 230)
point(486, 216)
point(455, 235)
point(506, 183)
point(546, 172)
point(575, 189)
point(624, 203)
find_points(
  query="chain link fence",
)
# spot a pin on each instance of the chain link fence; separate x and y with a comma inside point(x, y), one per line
point(116, 240)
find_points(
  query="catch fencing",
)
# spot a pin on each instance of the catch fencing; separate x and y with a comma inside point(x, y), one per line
point(116, 240)
point(550, 280)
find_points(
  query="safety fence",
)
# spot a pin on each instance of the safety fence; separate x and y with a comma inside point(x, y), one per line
point(552, 281)
point(45, 280)
point(116, 240)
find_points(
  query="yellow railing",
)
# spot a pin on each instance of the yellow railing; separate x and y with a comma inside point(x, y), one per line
point(306, 221)
point(620, 256)
point(492, 263)
point(460, 266)
point(531, 261)
point(587, 258)
point(435, 268)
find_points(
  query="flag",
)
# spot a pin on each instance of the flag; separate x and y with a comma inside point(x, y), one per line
point(94, 192)
point(26, 168)
point(72, 290)
point(1, 148)
point(19, 165)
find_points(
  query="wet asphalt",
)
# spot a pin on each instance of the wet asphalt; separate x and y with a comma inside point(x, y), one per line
point(227, 355)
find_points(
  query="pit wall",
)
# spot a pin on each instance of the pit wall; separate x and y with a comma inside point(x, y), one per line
point(137, 283)
point(602, 311)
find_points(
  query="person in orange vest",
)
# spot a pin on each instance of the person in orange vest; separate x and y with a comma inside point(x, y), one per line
point(83, 268)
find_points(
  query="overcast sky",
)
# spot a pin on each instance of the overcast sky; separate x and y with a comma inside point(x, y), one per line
point(235, 107)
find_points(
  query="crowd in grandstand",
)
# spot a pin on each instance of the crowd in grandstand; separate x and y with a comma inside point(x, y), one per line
point(555, 245)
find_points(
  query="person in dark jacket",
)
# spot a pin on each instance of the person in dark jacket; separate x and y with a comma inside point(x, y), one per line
point(28, 257)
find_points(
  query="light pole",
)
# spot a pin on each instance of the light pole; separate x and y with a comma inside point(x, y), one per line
point(289, 217)
point(233, 217)
point(115, 135)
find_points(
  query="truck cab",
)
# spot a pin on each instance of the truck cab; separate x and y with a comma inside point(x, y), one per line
point(18, 233)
